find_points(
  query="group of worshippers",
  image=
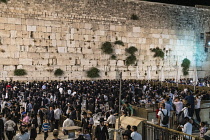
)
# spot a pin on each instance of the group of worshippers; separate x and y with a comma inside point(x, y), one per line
point(202, 82)
point(31, 108)
point(36, 107)
point(183, 105)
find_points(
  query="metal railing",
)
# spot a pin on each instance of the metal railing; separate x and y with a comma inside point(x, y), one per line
point(155, 132)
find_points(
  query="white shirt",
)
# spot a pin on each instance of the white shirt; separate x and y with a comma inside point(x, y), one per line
point(73, 93)
point(185, 109)
point(61, 90)
point(161, 115)
point(111, 119)
point(136, 136)
point(198, 105)
point(69, 91)
point(179, 106)
point(57, 114)
point(187, 129)
point(67, 123)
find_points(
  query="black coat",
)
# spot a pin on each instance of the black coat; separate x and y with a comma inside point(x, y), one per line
point(101, 134)
point(51, 115)
point(1, 126)
point(85, 123)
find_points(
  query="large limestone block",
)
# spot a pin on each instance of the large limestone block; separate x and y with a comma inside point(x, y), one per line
point(9, 68)
point(14, 20)
point(87, 51)
point(3, 20)
point(9, 61)
point(25, 61)
point(44, 55)
point(63, 62)
point(84, 62)
point(120, 63)
point(4, 33)
point(112, 62)
point(31, 28)
point(2, 26)
point(112, 27)
point(93, 63)
point(62, 49)
point(136, 29)
point(30, 68)
point(87, 26)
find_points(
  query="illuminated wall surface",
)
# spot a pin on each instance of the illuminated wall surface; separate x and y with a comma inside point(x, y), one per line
point(41, 36)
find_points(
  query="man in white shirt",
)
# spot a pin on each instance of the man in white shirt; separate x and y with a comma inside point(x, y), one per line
point(163, 112)
point(111, 120)
point(135, 135)
point(67, 123)
point(57, 115)
point(197, 108)
point(178, 104)
point(61, 90)
point(187, 127)
point(185, 110)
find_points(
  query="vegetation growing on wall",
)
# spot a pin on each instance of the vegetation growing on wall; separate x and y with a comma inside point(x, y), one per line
point(134, 17)
point(107, 48)
point(119, 42)
point(93, 72)
point(4, 1)
point(131, 59)
point(185, 66)
point(113, 57)
point(58, 72)
point(158, 52)
point(20, 72)
point(131, 50)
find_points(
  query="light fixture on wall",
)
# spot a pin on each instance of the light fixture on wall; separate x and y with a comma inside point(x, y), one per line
point(207, 39)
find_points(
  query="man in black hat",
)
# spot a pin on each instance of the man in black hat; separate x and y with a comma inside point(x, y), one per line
point(101, 131)
point(85, 121)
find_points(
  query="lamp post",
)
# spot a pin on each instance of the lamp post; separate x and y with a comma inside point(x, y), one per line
point(120, 92)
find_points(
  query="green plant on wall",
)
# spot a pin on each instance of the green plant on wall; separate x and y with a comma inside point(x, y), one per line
point(131, 50)
point(58, 72)
point(20, 72)
point(130, 60)
point(113, 57)
point(93, 72)
point(185, 66)
point(107, 48)
point(119, 42)
point(158, 52)
point(4, 1)
point(134, 17)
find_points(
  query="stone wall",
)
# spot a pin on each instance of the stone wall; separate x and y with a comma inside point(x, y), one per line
point(41, 36)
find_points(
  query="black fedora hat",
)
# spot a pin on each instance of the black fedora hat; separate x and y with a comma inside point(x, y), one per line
point(84, 113)
point(101, 120)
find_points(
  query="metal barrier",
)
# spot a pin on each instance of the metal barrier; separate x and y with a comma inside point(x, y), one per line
point(155, 132)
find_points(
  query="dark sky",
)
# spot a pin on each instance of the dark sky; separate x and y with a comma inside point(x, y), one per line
point(184, 2)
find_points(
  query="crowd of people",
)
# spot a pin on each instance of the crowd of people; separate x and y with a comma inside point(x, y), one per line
point(31, 108)
point(202, 82)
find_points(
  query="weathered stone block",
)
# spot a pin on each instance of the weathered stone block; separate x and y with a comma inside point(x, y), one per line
point(31, 28)
point(136, 29)
point(62, 49)
point(120, 63)
point(25, 61)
